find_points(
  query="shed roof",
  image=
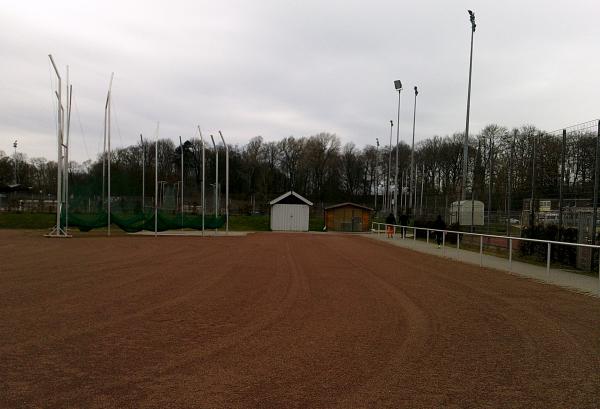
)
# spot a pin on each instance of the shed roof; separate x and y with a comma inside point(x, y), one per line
point(335, 206)
point(292, 195)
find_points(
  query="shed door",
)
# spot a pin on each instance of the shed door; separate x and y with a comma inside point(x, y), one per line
point(289, 217)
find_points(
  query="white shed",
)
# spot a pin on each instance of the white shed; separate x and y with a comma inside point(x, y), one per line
point(468, 211)
point(289, 212)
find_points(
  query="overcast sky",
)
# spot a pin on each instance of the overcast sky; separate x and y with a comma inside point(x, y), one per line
point(277, 68)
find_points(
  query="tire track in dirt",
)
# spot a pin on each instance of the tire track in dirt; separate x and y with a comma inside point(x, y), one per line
point(530, 326)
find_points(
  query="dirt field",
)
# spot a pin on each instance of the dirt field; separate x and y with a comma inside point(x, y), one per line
point(282, 321)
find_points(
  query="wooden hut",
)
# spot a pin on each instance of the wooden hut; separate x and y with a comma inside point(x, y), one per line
point(348, 217)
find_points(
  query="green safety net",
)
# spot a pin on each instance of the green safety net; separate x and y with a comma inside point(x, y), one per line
point(132, 222)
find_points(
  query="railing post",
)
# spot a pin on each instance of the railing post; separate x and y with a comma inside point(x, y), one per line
point(414, 233)
point(509, 254)
point(548, 260)
point(480, 251)
point(444, 243)
point(427, 236)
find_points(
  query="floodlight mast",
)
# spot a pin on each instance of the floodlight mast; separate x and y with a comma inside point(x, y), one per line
point(226, 184)
point(203, 180)
point(466, 141)
point(398, 86)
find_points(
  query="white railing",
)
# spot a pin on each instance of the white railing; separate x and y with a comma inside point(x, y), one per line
point(376, 228)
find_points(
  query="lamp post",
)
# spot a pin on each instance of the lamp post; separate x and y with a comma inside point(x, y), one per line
point(398, 86)
point(466, 141)
point(412, 183)
point(15, 160)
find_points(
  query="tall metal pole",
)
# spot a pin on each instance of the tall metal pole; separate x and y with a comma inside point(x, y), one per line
point(181, 152)
point(389, 176)
point(490, 184)
point(60, 141)
point(562, 181)
point(412, 184)
point(226, 184)
point(376, 190)
point(66, 166)
point(216, 178)
point(466, 141)
point(422, 185)
point(509, 189)
point(532, 216)
point(202, 188)
point(596, 176)
point(143, 172)
point(15, 160)
point(108, 102)
point(156, 181)
point(397, 149)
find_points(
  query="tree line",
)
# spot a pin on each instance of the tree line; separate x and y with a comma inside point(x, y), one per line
point(326, 171)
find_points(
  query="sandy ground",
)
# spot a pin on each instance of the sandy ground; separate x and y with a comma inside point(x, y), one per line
point(282, 321)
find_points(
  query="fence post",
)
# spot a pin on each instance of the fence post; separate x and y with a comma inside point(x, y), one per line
point(444, 243)
point(480, 251)
point(414, 233)
point(509, 254)
point(427, 236)
point(548, 260)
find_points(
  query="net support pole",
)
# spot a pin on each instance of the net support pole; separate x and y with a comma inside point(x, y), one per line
point(143, 171)
point(226, 184)
point(202, 186)
point(107, 110)
point(181, 152)
point(66, 167)
point(562, 181)
point(216, 180)
point(60, 141)
point(595, 200)
point(156, 181)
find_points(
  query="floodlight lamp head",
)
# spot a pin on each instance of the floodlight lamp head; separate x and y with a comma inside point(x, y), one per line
point(416, 91)
point(398, 85)
point(391, 123)
point(472, 17)
point(377, 139)
point(15, 145)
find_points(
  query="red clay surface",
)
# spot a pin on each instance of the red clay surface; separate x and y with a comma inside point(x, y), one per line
point(282, 321)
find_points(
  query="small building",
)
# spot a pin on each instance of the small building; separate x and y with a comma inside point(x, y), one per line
point(348, 217)
point(290, 212)
point(467, 212)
